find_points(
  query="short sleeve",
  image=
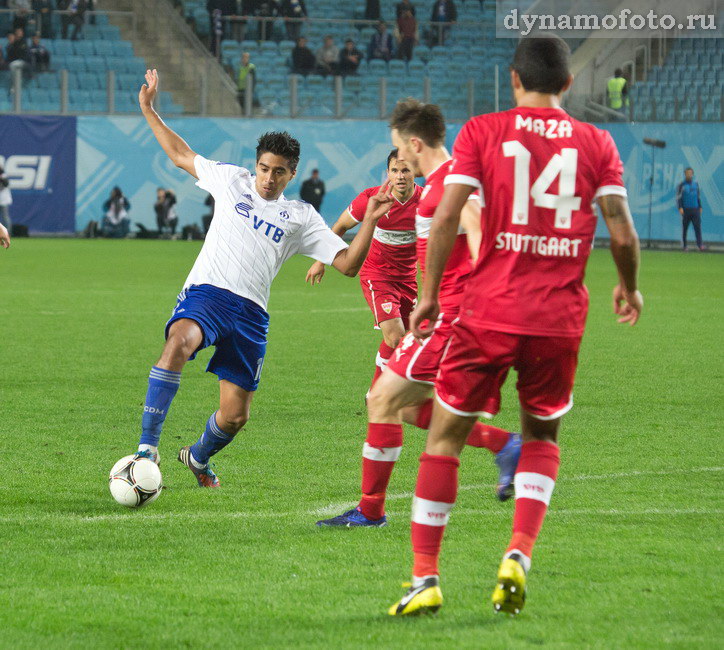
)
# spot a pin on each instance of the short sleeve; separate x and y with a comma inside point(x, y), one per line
point(215, 177)
point(318, 241)
point(610, 175)
point(358, 207)
point(466, 168)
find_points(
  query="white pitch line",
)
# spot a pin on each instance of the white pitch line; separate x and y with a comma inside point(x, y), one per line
point(337, 507)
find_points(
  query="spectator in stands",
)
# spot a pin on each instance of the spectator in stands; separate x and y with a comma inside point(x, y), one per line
point(3, 62)
point(63, 6)
point(116, 222)
point(372, 10)
point(247, 70)
point(443, 11)
point(313, 190)
point(45, 9)
point(303, 61)
point(382, 45)
point(238, 26)
point(39, 55)
point(18, 55)
point(6, 200)
point(22, 13)
point(406, 33)
point(217, 32)
point(688, 200)
point(293, 12)
point(266, 9)
point(328, 57)
point(349, 58)
point(617, 91)
point(77, 10)
point(404, 6)
point(166, 217)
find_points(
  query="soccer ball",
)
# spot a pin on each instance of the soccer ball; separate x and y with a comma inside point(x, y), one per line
point(134, 482)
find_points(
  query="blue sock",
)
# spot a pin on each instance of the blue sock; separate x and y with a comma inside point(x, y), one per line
point(212, 441)
point(162, 387)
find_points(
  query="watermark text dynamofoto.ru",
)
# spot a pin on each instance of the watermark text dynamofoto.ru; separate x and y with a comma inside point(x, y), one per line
point(524, 24)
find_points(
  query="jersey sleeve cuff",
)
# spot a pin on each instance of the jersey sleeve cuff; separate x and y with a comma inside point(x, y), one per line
point(605, 190)
point(462, 179)
point(349, 211)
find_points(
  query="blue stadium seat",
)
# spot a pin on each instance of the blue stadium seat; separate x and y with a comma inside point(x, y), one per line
point(48, 80)
point(61, 47)
point(99, 100)
point(96, 64)
point(397, 68)
point(423, 53)
point(249, 46)
point(104, 48)
point(416, 68)
point(116, 63)
point(122, 48)
point(109, 32)
point(377, 68)
point(83, 48)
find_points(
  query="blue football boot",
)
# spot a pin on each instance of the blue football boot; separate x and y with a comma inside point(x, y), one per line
point(353, 518)
point(507, 461)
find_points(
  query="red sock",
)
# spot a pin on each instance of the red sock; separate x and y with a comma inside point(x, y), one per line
point(424, 415)
point(484, 435)
point(435, 493)
point(534, 481)
point(381, 450)
point(383, 356)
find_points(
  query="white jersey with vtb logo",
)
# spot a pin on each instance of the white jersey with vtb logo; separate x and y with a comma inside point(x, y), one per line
point(250, 238)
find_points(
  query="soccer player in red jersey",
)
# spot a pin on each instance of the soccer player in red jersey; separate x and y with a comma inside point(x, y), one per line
point(403, 391)
point(539, 172)
point(389, 274)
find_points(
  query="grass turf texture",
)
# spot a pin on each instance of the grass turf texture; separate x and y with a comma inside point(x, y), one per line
point(630, 555)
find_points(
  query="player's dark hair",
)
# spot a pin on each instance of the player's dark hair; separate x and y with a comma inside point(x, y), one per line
point(393, 156)
point(618, 72)
point(542, 62)
point(280, 143)
point(424, 121)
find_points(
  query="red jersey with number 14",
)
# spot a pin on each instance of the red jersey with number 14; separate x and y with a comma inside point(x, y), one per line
point(539, 171)
point(392, 255)
point(459, 263)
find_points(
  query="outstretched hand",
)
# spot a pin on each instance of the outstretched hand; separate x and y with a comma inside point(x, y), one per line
point(149, 90)
point(379, 204)
point(627, 304)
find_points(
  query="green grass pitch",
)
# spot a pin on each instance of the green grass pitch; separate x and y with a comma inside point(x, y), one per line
point(630, 555)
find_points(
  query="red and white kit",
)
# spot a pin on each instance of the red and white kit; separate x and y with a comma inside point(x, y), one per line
point(389, 274)
point(538, 171)
point(413, 360)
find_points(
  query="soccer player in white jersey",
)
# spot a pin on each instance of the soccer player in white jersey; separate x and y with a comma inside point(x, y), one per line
point(223, 301)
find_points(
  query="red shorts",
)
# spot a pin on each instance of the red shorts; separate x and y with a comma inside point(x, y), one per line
point(389, 300)
point(477, 362)
point(419, 362)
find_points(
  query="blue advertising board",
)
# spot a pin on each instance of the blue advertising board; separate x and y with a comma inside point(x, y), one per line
point(350, 156)
point(38, 155)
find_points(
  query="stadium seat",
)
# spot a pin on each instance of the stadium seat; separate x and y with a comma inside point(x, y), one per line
point(377, 67)
point(122, 48)
point(397, 68)
point(416, 68)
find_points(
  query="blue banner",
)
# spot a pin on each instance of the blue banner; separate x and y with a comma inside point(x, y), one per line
point(38, 154)
point(350, 155)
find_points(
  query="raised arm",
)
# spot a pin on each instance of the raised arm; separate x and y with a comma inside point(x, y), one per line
point(349, 261)
point(343, 224)
point(470, 221)
point(443, 232)
point(627, 299)
point(175, 146)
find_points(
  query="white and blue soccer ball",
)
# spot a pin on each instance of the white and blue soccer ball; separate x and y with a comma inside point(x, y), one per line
point(134, 482)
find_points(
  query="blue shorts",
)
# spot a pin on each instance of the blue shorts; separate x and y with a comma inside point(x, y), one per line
point(236, 326)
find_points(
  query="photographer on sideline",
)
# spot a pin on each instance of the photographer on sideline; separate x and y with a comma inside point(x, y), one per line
point(166, 217)
point(116, 223)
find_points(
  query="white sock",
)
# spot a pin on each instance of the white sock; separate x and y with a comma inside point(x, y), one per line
point(195, 463)
point(151, 448)
point(525, 560)
point(418, 580)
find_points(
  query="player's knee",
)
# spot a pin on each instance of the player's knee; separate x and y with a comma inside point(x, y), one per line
point(393, 338)
point(379, 401)
point(234, 421)
point(180, 345)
